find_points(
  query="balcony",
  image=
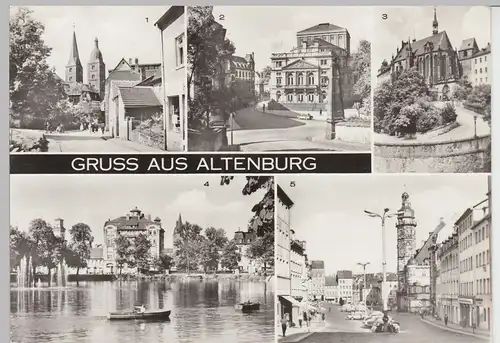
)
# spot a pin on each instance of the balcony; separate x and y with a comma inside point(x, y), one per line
point(300, 86)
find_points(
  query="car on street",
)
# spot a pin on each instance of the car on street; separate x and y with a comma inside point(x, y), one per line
point(370, 320)
point(347, 308)
point(358, 315)
point(305, 116)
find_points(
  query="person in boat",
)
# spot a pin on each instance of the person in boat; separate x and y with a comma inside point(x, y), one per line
point(140, 309)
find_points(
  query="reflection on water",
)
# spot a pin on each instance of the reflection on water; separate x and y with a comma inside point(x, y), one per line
point(202, 311)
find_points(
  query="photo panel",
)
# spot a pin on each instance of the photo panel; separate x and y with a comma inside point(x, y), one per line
point(163, 259)
point(432, 99)
point(100, 86)
point(411, 257)
point(301, 82)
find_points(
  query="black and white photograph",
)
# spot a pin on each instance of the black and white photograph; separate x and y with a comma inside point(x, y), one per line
point(432, 99)
point(279, 78)
point(142, 258)
point(97, 79)
point(402, 258)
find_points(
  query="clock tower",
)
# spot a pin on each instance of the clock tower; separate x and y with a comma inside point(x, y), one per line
point(405, 226)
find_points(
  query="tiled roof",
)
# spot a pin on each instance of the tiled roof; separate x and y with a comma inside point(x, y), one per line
point(239, 62)
point(323, 27)
point(131, 222)
point(138, 97)
point(468, 43)
point(439, 41)
point(330, 281)
point(96, 253)
point(123, 75)
point(482, 52)
point(344, 274)
point(78, 88)
point(317, 265)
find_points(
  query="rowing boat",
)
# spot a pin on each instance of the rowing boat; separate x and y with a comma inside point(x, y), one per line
point(154, 315)
point(247, 306)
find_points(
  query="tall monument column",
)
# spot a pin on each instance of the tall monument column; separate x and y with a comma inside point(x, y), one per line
point(406, 244)
point(335, 105)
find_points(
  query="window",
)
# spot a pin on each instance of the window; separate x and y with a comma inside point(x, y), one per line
point(290, 79)
point(93, 67)
point(480, 70)
point(289, 97)
point(278, 80)
point(179, 50)
point(70, 78)
point(310, 79)
point(485, 70)
point(93, 76)
point(475, 71)
point(70, 70)
point(301, 97)
point(300, 79)
point(480, 60)
point(311, 97)
point(485, 58)
point(475, 61)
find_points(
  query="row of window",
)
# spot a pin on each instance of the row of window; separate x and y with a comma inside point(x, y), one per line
point(481, 70)
point(465, 224)
point(481, 80)
point(482, 286)
point(244, 74)
point(481, 59)
point(481, 260)
point(479, 236)
point(448, 287)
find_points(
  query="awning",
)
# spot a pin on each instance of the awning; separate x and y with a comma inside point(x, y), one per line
point(290, 300)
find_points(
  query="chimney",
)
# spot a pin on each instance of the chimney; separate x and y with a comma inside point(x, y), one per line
point(130, 62)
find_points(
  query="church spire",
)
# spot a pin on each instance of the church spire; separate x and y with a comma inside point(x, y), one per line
point(74, 57)
point(435, 23)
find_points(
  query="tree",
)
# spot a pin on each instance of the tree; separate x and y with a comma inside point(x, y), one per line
point(34, 87)
point(341, 302)
point(207, 53)
point(80, 246)
point(49, 247)
point(187, 245)
point(123, 248)
point(360, 62)
point(214, 241)
point(262, 222)
point(67, 113)
point(230, 257)
point(163, 263)
point(463, 89)
point(20, 246)
point(262, 250)
point(141, 252)
point(266, 72)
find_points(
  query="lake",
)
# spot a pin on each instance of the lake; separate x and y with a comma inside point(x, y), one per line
point(202, 311)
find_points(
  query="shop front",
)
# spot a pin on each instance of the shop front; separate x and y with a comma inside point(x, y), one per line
point(466, 311)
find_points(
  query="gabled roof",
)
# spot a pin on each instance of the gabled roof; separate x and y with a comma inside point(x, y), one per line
point(300, 64)
point(323, 27)
point(317, 265)
point(469, 43)
point(131, 222)
point(123, 71)
point(134, 97)
point(438, 41)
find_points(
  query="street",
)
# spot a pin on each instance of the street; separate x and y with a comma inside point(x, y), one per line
point(257, 131)
point(74, 142)
point(413, 330)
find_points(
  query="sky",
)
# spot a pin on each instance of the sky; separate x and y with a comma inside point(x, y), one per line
point(337, 231)
point(123, 32)
point(268, 29)
point(459, 22)
point(93, 199)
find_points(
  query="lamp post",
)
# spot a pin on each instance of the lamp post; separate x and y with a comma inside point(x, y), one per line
point(364, 277)
point(475, 126)
point(383, 217)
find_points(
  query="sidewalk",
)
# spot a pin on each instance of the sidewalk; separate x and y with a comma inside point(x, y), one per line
point(296, 334)
point(478, 333)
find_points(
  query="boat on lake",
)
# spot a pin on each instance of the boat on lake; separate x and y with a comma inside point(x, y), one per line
point(150, 315)
point(248, 306)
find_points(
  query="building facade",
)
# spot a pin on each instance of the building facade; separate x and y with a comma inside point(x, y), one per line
point(475, 62)
point(449, 278)
point(435, 59)
point(243, 241)
point(298, 287)
point(331, 289)
point(317, 291)
point(132, 224)
point(345, 284)
point(173, 71)
point(300, 78)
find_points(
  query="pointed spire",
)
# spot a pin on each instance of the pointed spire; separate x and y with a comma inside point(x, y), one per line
point(435, 23)
point(74, 57)
point(180, 218)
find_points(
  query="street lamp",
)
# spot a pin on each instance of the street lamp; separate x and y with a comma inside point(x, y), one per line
point(383, 217)
point(364, 277)
point(475, 126)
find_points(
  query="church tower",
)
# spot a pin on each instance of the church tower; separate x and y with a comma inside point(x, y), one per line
point(96, 73)
point(74, 69)
point(435, 23)
point(178, 227)
point(406, 241)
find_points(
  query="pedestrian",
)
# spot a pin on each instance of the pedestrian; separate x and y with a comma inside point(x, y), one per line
point(446, 319)
point(304, 316)
point(300, 322)
point(284, 322)
point(323, 316)
point(102, 130)
point(263, 107)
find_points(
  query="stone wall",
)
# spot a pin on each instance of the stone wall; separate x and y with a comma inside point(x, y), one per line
point(471, 155)
point(357, 134)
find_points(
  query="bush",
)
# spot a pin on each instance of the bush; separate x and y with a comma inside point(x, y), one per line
point(406, 122)
point(429, 120)
point(448, 114)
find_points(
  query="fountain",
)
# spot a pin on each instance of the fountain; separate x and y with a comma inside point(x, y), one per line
point(62, 276)
point(24, 270)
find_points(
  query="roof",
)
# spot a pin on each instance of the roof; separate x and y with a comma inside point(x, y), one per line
point(124, 75)
point(96, 55)
point(300, 64)
point(74, 57)
point(134, 97)
point(97, 253)
point(438, 41)
point(131, 222)
point(79, 88)
point(284, 198)
point(240, 62)
point(469, 43)
point(323, 27)
point(330, 281)
point(169, 17)
point(344, 274)
point(464, 215)
point(482, 52)
point(317, 265)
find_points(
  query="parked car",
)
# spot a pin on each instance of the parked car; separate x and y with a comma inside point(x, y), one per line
point(358, 315)
point(306, 116)
point(370, 320)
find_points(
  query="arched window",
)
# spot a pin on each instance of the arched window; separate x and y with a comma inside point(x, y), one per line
point(310, 79)
point(324, 80)
point(93, 76)
point(290, 79)
point(300, 79)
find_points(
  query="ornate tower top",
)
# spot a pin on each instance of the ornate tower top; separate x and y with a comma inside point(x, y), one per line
point(96, 55)
point(435, 23)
